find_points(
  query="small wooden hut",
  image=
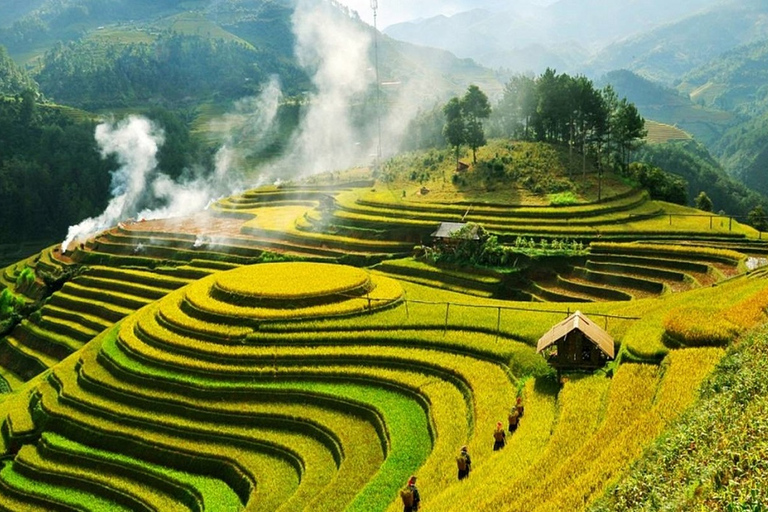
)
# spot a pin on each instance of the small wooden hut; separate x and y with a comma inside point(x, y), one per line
point(576, 344)
point(448, 233)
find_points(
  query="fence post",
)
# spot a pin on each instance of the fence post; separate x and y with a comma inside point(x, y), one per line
point(710, 221)
point(447, 309)
point(730, 223)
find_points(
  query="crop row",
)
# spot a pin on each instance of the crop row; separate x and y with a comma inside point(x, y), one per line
point(696, 253)
point(401, 420)
point(618, 203)
point(198, 297)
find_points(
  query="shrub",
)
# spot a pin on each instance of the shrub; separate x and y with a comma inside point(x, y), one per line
point(563, 199)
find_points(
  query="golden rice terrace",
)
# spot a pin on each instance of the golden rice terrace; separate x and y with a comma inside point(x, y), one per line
point(285, 351)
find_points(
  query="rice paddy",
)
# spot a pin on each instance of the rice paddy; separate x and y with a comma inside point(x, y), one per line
point(285, 352)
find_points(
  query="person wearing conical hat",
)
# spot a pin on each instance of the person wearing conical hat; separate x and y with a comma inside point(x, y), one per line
point(410, 496)
point(499, 437)
point(464, 461)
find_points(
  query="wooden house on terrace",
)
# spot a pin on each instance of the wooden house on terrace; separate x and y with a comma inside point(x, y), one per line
point(451, 233)
point(576, 344)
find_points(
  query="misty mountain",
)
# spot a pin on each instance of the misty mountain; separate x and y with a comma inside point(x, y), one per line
point(667, 105)
point(106, 54)
point(670, 51)
point(734, 81)
point(497, 38)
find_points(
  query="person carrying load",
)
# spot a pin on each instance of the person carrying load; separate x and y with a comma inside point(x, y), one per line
point(464, 462)
point(499, 437)
point(410, 496)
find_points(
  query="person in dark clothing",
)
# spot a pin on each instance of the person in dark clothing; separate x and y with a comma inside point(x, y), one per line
point(499, 437)
point(513, 418)
point(410, 496)
point(520, 408)
point(464, 461)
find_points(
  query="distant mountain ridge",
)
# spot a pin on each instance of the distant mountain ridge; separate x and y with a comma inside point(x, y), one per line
point(668, 52)
point(72, 44)
point(494, 38)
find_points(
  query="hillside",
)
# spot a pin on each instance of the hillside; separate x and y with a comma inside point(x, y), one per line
point(666, 105)
point(84, 49)
point(227, 361)
point(13, 79)
point(525, 38)
point(671, 50)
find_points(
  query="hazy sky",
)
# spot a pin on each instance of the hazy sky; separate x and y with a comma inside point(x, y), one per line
point(395, 11)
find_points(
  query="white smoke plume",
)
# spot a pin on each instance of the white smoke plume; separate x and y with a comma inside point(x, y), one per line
point(135, 143)
point(137, 186)
point(334, 49)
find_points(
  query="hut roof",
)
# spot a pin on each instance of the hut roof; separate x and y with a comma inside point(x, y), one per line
point(578, 321)
point(449, 229)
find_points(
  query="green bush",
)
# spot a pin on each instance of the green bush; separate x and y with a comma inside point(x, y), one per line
point(563, 199)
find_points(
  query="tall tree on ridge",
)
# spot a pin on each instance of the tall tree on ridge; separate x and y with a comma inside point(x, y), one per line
point(475, 107)
point(455, 129)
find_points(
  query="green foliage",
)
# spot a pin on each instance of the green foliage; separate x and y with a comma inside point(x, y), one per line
point(487, 251)
point(425, 130)
point(25, 277)
point(662, 186)
point(51, 172)
point(13, 80)
point(714, 457)
point(455, 126)
point(703, 202)
point(475, 108)
point(692, 162)
point(565, 109)
point(9, 303)
point(173, 69)
point(563, 199)
point(464, 121)
point(757, 218)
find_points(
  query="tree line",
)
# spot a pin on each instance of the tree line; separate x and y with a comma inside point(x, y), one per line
point(560, 108)
point(554, 108)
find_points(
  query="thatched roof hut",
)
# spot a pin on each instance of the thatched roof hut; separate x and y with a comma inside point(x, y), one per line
point(577, 344)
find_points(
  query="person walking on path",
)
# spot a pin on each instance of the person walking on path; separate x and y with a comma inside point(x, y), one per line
point(520, 408)
point(464, 461)
point(499, 437)
point(514, 419)
point(410, 496)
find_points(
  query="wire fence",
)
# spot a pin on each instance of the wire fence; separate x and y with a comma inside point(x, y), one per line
point(444, 309)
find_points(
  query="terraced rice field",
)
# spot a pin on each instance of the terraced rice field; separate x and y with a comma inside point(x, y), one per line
point(247, 390)
point(180, 368)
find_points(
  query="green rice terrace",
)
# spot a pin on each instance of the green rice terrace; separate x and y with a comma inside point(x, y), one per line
point(311, 346)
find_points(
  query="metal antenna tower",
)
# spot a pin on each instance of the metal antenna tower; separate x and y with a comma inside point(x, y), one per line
point(375, 7)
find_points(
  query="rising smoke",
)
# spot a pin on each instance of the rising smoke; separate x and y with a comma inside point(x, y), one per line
point(335, 49)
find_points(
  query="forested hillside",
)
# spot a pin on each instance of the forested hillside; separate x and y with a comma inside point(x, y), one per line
point(51, 172)
point(13, 80)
